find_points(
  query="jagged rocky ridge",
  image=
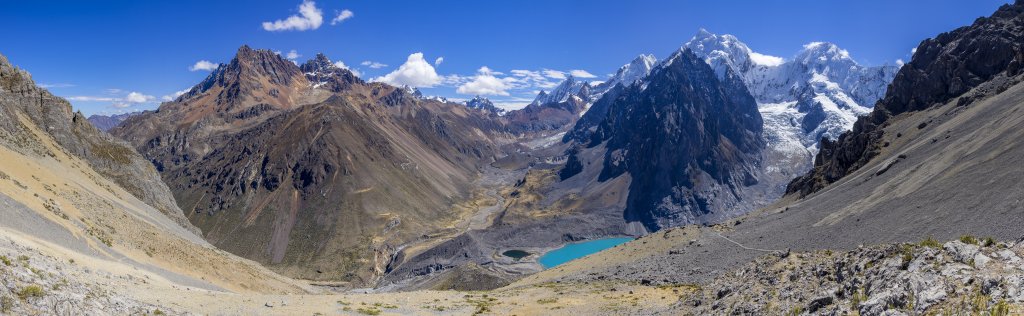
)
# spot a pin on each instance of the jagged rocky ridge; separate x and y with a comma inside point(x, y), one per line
point(689, 140)
point(943, 68)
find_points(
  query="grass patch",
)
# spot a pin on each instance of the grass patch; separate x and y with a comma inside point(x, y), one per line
point(547, 301)
point(31, 291)
point(930, 243)
point(6, 304)
point(368, 310)
point(968, 239)
point(5, 260)
point(988, 242)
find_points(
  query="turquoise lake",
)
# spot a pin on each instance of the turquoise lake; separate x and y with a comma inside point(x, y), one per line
point(573, 251)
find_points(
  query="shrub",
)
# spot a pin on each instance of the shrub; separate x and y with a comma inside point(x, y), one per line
point(968, 239)
point(931, 243)
point(989, 242)
point(31, 291)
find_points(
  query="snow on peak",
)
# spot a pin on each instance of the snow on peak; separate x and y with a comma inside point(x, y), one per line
point(561, 93)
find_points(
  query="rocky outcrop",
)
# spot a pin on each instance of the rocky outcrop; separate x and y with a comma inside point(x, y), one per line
point(23, 103)
point(943, 69)
point(901, 279)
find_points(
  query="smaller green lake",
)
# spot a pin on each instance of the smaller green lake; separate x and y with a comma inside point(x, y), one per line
point(573, 251)
point(516, 254)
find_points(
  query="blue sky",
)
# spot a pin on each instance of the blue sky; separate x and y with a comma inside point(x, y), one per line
point(117, 56)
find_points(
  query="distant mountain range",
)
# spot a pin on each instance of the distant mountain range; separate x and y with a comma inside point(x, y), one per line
point(107, 122)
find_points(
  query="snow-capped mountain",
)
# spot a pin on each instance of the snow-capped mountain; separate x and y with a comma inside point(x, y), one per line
point(819, 93)
point(629, 74)
point(561, 93)
point(484, 104)
point(572, 87)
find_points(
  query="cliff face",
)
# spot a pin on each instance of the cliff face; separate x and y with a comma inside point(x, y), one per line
point(689, 142)
point(944, 68)
point(22, 102)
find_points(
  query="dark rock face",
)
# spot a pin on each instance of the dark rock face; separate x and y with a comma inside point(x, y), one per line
point(688, 140)
point(322, 73)
point(484, 104)
point(943, 68)
point(107, 122)
point(112, 158)
point(584, 131)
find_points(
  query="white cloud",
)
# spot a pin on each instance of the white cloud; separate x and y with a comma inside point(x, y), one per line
point(899, 62)
point(55, 85)
point(310, 18)
point(373, 64)
point(485, 83)
point(766, 60)
point(175, 95)
point(342, 16)
point(292, 55)
point(117, 98)
point(581, 74)
point(438, 61)
point(554, 74)
point(135, 97)
point(415, 72)
point(204, 65)
point(342, 65)
point(86, 98)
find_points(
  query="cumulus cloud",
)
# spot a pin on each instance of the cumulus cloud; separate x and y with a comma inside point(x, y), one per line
point(117, 98)
point(175, 95)
point(534, 78)
point(438, 61)
point(309, 18)
point(204, 65)
point(342, 65)
point(554, 74)
point(485, 83)
point(415, 72)
point(292, 55)
point(581, 74)
point(373, 64)
point(767, 60)
point(342, 16)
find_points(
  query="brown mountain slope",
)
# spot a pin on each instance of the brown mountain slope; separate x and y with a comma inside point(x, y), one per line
point(312, 171)
point(63, 195)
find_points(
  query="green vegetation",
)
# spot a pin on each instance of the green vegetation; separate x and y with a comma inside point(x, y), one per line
point(988, 242)
point(931, 243)
point(547, 300)
point(968, 239)
point(6, 303)
point(158, 312)
point(368, 311)
point(796, 310)
point(31, 291)
point(5, 260)
point(1000, 309)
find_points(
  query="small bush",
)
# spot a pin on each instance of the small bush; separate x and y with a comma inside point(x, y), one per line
point(547, 301)
point(930, 243)
point(31, 291)
point(968, 239)
point(158, 312)
point(989, 242)
point(368, 311)
point(6, 304)
point(5, 260)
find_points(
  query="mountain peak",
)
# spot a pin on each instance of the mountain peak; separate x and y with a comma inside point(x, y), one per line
point(823, 52)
